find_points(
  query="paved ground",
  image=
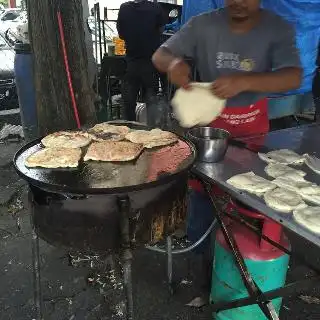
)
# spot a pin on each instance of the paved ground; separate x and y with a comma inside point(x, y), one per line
point(68, 294)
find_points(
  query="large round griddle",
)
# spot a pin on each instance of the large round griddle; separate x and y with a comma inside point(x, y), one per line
point(154, 167)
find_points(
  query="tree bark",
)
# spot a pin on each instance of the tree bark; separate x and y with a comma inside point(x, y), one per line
point(54, 104)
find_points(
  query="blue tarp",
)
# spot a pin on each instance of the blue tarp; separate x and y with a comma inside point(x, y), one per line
point(303, 14)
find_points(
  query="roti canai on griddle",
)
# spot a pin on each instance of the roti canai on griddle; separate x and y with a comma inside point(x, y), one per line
point(66, 139)
point(54, 158)
point(105, 131)
point(113, 151)
point(153, 138)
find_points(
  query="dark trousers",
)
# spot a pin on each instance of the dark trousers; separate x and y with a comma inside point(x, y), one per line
point(141, 77)
point(316, 93)
point(200, 217)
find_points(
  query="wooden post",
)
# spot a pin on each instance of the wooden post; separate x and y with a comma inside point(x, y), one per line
point(54, 104)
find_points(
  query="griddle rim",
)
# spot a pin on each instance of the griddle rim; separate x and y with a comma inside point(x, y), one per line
point(117, 190)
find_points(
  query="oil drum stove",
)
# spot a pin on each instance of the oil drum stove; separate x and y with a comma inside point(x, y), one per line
point(107, 207)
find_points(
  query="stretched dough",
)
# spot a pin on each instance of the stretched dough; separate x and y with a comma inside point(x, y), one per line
point(197, 106)
point(308, 217)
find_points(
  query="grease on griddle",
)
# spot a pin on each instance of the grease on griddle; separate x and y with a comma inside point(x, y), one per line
point(168, 160)
point(105, 135)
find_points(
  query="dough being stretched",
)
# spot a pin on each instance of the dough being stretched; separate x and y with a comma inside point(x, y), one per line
point(197, 106)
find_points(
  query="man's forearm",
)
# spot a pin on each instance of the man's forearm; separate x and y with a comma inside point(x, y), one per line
point(162, 59)
point(273, 82)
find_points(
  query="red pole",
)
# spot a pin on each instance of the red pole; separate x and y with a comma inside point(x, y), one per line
point(12, 3)
point(66, 62)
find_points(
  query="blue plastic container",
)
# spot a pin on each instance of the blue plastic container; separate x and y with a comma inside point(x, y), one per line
point(23, 68)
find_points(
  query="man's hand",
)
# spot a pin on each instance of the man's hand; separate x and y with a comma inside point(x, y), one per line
point(179, 73)
point(227, 87)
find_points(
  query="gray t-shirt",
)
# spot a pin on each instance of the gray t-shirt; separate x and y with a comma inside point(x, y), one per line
point(217, 51)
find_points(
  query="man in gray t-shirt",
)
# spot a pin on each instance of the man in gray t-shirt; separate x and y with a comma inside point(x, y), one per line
point(247, 53)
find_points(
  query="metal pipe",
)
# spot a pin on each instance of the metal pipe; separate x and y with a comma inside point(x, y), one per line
point(169, 265)
point(36, 273)
point(186, 250)
point(96, 48)
point(126, 256)
point(99, 29)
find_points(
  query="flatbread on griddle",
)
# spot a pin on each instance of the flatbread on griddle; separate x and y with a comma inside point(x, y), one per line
point(153, 138)
point(66, 139)
point(54, 158)
point(113, 151)
point(105, 131)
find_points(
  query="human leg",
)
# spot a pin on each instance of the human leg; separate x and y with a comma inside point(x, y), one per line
point(130, 90)
point(150, 85)
point(200, 217)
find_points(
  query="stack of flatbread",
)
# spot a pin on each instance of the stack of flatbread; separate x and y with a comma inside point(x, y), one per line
point(62, 150)
point(106, 143)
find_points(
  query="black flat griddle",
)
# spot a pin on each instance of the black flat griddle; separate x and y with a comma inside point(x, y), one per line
point(149, 170)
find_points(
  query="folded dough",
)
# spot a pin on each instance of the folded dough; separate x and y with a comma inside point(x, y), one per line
point(283, 200)
point(311, 194)
point(283, 156)
point(197, 106)
point(288, 182)
point(309, 217)
point(276, 170)
point(251, 183)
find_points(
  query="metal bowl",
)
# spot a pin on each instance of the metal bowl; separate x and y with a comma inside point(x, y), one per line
point(211, 143)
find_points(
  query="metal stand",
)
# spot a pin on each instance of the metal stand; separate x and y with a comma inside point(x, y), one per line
point(36, 274)
point(169, 265)
point(170, 252)
point(256, 296)
point(254, 291)
point(126, 256)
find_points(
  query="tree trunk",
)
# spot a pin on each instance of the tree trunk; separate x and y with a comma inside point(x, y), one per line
point(54, 104)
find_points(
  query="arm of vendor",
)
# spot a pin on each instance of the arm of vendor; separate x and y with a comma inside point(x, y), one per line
point(246, 52)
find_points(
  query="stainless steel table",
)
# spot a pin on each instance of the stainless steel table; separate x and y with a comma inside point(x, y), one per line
point(305, 139)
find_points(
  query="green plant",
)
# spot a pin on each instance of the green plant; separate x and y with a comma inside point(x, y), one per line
point(4, 2)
